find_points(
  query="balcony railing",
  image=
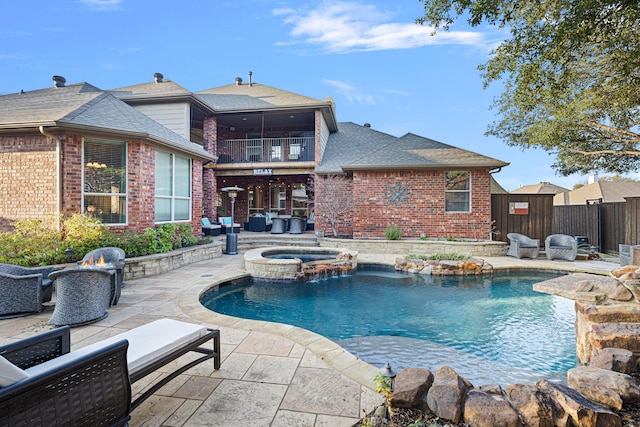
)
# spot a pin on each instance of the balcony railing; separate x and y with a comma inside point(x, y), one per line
point(297, 149)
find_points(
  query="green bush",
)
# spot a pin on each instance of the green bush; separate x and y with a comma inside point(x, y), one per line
point(393, 232)
point(36, 242)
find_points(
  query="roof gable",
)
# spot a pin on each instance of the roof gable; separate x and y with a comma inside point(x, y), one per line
point(374, 150)
point(254, 96)
point(83, 108)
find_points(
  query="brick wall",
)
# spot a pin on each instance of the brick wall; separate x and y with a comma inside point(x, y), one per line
point(414, 201)
point(28, 178)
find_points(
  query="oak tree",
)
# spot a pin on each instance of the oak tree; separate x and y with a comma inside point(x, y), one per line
point(571, 75)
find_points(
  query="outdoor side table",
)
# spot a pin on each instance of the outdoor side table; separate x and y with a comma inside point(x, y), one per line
point(82, 295)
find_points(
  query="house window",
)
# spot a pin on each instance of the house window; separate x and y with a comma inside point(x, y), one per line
point(173, 187)
point(278, 198)
point(299, 200)
point(105, 180)
point(457, 192)
point(255, 200)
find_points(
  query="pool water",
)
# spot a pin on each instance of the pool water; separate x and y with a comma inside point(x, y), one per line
point(490, 329)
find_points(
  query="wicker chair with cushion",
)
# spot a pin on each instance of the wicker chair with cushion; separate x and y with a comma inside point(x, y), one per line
point(114, 259)
point(42, 383)
point(278, 225)
point(82, 295)
point(23, 290)
point(225, 221)
point(521, 246)
point(297, 225)
point(561, 246)
point(210, 229)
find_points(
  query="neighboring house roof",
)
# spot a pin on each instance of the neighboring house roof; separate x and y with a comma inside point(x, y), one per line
point(496, 188)
point(540, 188)
point(245, 97)
point(356, 147)
point(83, 108)
point(608, 191)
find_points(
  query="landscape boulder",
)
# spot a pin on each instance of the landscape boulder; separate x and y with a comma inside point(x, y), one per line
point(446, 395)
point(613, 389)
point(535, 407)
point(410, 388)
point(489, 410)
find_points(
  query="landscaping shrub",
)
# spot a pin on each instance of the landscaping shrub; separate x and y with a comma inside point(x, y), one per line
point(393, 232)
point(36, 242)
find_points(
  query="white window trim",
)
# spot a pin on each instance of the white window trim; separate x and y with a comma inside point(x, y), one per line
point(173, 197)
point(469, 209)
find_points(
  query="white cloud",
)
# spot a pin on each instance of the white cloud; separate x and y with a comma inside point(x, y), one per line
point(102, 4)
point(345, 26)
point(351, 93)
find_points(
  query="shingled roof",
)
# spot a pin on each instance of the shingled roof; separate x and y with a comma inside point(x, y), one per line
point(356, 147)
point(84, 108)
point(540, 188)
point(608, 191)
point(246, 97)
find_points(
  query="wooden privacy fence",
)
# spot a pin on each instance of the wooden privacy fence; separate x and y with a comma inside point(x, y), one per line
point(606, 225)
point(528, 214)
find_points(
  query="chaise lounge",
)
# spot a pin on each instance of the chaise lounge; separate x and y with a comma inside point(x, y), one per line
point(42, 383)
point(521, 246)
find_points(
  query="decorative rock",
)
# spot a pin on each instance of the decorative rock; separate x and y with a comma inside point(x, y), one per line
point(574, 286)
point(634, 287)
point(535, 407)
point(581, 410)
point(615, 359)
point(485, 410)
point(410, 388)
point(446, 395)
point(492, 389)
point(603, 386)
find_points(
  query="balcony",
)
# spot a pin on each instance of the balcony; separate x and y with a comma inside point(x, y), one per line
point(296, 149)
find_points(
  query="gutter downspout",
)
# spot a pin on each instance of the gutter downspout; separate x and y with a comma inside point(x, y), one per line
point(58, 168)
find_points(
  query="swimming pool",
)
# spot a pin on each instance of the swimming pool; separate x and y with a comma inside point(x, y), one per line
point(488, 328)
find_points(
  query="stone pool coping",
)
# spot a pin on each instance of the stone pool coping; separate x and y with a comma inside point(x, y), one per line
point(330, 352)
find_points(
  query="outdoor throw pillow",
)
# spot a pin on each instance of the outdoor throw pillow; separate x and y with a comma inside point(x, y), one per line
point(225, 220)
point(206, 222)
point(10, 373)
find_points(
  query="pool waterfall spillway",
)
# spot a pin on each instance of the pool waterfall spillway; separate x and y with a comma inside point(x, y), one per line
point(286, 262)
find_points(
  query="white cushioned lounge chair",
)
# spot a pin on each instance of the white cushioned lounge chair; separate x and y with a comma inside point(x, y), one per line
point(43, 383)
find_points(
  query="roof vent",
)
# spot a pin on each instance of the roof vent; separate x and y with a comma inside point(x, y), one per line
point(158, 77)
point(59, 81)
point(367, 125)
point(238, 81)
point(250, 81)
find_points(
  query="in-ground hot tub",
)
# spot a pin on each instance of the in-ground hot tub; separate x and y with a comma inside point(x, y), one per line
point(295, 262)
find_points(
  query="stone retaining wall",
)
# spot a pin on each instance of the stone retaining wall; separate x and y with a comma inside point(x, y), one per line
point(424, 247)
point(150, 265)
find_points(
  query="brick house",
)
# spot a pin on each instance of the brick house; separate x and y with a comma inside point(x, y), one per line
point(156, 152)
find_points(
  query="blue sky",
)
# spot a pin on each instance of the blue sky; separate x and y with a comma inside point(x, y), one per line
point(369, 56)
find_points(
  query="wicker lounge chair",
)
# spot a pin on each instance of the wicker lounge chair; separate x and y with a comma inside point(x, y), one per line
point(23, 289)
point(91, 386)
point(115, 260)
point(561, 246)
point(82, 295)
point(521, 246)
point(210, 229)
